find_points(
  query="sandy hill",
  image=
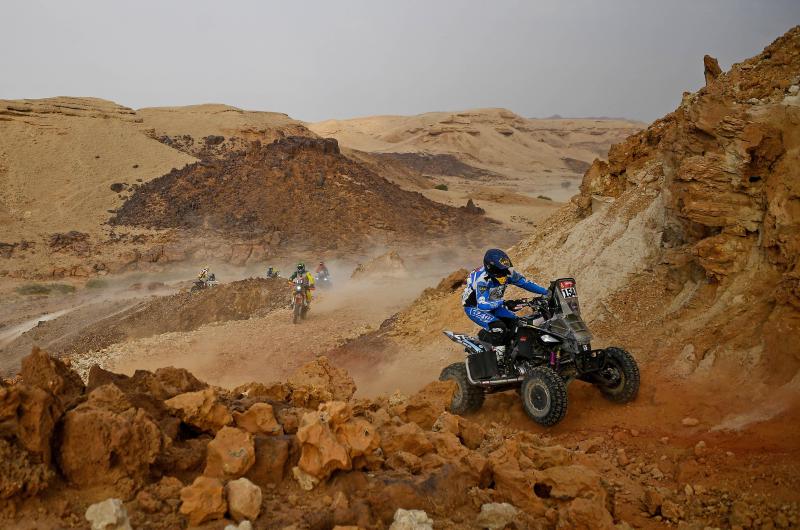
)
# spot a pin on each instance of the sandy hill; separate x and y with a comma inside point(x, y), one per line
point(685, 246)
point(67, 165)
point(495, 140)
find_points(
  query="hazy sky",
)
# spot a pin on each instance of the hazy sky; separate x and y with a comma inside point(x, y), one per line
point(336, 59)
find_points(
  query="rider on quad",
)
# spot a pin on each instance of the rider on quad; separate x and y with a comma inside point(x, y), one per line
point(307, 277)
point(483, 298)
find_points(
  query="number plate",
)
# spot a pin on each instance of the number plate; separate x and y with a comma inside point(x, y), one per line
point(569, 292)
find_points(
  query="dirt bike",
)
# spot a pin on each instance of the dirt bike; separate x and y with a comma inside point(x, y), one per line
point(548, 349)
point(201, 284)
point(323, 280)
point(300, 304)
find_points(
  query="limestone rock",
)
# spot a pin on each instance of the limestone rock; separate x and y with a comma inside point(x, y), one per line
point(258, 419)
point(700, 449)
point(203, 500)
point(244, 525)
point(176, 381)
point(711, 69)
point(510, 470)
point(201, 409)
point(570, 482)
point(321, 452)
point(408, 437)
point(29, 414)
point(272, 453)
point(425, 407)
point(671, 511)
point(244, 499)
point(403, 460)
point(230, 454)
point(109, 514)
point(319, 381)
point(543, 457)
point(100, 446)
point(411, 520)
point(18, 474)
point(277, 391)
point(109, 397)
point(52, 375)
point(332, 439)
point(496, 515)
point(470, 433)
point(584, 514)
point(652, 501)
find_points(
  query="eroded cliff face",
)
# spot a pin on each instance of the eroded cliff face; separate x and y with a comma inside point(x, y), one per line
point(699, 215)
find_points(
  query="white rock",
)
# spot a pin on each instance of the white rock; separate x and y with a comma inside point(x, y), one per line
point(794, 89)
point(244, 499)
point(690, 422)
point(108, 515)
point(411, 520)
point(244, 525)
point(496, 515)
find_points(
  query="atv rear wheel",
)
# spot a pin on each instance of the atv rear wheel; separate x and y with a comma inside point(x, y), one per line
point(544, 396)
point(468, 398)
point(618, 380)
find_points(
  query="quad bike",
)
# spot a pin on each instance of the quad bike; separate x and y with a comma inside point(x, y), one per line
point(549, 349)
point(200, 283)
point(323, 280)
point(300, 305)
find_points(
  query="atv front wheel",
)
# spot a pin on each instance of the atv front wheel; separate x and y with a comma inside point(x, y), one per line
point(618, 380)
point(544, 396)
point(468, 398)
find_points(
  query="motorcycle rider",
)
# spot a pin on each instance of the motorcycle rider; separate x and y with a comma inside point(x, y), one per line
point(307, 277)
point(272, 272)
point(483, 298)
point(322, 270)
point(203, 276)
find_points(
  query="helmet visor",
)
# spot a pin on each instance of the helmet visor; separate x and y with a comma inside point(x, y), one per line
point(496, 271)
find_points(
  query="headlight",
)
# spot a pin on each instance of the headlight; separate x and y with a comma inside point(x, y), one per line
point(549, 338)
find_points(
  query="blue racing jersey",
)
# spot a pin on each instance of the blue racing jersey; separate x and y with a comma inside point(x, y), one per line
point(486, 293)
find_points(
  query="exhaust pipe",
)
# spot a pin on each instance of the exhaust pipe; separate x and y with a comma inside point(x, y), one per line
point(476, 349)
point(493, 382)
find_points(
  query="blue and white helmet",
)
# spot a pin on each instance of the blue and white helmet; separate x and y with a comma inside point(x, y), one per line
point(497, 263)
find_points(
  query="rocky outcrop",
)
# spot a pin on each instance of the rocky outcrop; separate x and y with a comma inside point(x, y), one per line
point(230, 454)
point(711, 69)
point(388, 265)
point(51, 375)
point(376, 463)
point(258, 419)
point(244, 499)
point(103, 447)
point(319, 381)
point(279, 173)
point(703, 204)
point(332, 439)
point(203, 500)
point(201, 409)
point(109, 514)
